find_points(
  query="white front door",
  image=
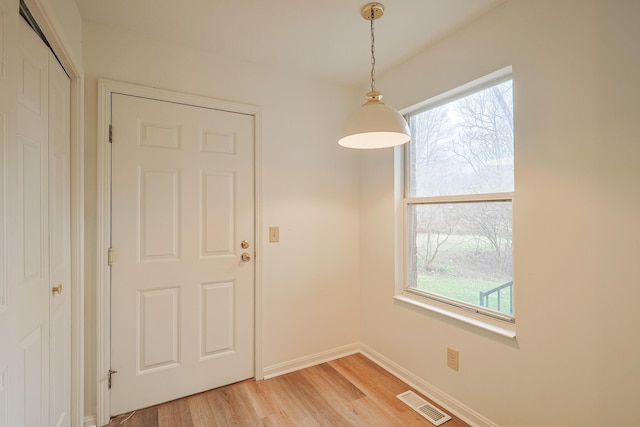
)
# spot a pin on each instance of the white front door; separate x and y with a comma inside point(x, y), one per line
point(182, 297)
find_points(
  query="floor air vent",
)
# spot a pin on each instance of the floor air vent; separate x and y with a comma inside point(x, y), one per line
point(424, 408)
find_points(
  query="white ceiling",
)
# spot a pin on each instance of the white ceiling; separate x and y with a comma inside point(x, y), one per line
point(328, 40)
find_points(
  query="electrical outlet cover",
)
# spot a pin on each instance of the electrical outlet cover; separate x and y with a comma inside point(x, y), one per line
point(452, 359)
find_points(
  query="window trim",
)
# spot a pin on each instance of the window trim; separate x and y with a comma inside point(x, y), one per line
point(505, 330)
point(506, 196)
point(490, 320)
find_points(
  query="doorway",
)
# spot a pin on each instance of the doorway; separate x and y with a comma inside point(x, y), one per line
point(182, 237)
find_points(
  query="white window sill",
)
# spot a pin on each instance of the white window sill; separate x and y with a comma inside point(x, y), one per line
point(504, 332)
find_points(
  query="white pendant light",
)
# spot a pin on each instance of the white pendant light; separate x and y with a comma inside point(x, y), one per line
point(374, 124)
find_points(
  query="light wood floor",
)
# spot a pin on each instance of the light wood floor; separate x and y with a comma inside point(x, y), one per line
point(351, 391)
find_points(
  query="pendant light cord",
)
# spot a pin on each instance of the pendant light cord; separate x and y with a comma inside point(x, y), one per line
point(373, 53)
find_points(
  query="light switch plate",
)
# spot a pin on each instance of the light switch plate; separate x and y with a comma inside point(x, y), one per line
point(274, 234)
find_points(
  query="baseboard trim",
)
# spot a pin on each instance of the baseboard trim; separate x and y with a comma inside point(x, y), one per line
point(90, 421)
point(311, 360)
point(452, 405)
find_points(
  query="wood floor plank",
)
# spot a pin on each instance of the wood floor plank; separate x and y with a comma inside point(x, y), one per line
point(351, 391)
point(143, 418)
point(262, 399)
point(303, 405)
point(202, 413)
point(374, 381)
point(222, 407)
point(241, 410)
point(370, 414)
point(335, 389)
point(280, 419)
point(334, 386)
point(383, 388)
point(175, 414)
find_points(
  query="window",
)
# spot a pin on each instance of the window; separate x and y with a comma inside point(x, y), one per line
point(459, 183)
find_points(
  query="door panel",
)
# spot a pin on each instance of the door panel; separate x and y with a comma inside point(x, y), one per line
point(159, 316)
point(182, 298)
point(32, 192)
point(218, 200)
point(33, 366)
point(159, 209)
point(217, 319)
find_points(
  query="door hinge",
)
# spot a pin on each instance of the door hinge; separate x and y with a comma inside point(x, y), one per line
point(111, 133)
point(109, 374)
point(110, 257)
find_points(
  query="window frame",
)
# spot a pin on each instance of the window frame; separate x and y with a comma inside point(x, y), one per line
point(492, 320)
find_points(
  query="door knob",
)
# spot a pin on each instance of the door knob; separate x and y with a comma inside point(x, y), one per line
point(56, 289)
point(244, 244)
point(245, 257)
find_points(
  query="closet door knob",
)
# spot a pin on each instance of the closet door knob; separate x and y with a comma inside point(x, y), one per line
point(56, 289)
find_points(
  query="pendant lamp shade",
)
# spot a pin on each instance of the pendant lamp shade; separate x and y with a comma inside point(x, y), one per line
point(374, 125)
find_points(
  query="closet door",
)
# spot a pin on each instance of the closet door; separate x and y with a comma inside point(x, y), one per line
point(59, 246)
point(34, 223)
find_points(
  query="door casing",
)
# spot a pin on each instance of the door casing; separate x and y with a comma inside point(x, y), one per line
point(103, 194)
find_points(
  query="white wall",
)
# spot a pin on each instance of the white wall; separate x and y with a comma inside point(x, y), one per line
point(576, 227)
point(64, 18)
point(576, 219)
point(309, 187)
point(70, 24)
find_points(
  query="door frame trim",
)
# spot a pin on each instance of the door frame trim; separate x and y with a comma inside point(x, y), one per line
point(103, 221)
point(55, 34)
